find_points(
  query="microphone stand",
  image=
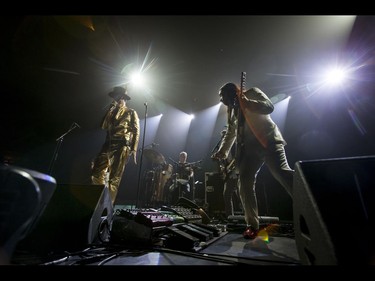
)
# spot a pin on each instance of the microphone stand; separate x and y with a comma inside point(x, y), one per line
point(175, 180)
point(58, 145)
point(193, 165)
point(141, 160)
point(193, 185)
point(215, 149)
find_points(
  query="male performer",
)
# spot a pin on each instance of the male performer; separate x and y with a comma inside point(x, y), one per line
point(181, 179)
point(122, 125)
point(258, 141)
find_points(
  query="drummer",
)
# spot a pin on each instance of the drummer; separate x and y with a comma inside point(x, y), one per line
point(185, 171)
point(181, 179)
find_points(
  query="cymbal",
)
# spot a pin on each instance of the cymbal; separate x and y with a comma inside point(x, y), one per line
point(154, 156)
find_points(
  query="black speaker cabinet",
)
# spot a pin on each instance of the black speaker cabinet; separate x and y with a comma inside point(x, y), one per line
point(333, 211)
point(76, 216)
point(214, 186)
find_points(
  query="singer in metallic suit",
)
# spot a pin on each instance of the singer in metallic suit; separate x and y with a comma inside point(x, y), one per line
point(122, 125)
point(258, 141)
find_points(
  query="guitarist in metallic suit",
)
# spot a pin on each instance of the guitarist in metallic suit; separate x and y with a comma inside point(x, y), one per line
point(258, 140)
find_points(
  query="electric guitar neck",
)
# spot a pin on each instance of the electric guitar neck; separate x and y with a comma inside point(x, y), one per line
point(240, 118)
point(243, 82)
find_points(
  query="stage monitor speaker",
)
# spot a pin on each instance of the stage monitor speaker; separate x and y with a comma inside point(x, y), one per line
point(333, 211)
point(24, 195)
point(76, 216)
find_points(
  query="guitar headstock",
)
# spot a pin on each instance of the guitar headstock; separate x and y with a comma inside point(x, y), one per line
point(243, 82)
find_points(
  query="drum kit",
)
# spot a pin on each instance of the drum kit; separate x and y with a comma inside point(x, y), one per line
point(154, 156)
point(161, 177)
point(158, 176)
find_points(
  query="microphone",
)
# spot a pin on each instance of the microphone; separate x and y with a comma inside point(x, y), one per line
point(145, 104)
point(76, 124)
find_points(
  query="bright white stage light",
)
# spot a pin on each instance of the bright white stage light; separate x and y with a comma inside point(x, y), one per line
point(335, 76)
point(137, 79)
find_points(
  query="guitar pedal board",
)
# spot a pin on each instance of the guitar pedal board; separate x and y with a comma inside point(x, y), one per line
point(186, 213)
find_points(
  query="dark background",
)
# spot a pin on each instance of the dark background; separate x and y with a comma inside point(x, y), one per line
point(57, 70)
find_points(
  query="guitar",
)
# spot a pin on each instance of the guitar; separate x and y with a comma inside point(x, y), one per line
point(243, 82)
point(241, 119)
point(226, 168)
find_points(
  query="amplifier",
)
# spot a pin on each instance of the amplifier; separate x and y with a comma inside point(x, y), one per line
point(214, 186)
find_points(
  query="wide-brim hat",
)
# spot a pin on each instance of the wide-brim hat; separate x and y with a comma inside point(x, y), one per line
point(119, 93)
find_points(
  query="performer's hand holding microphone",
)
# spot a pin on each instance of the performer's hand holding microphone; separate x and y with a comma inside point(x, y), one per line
point(113, 105)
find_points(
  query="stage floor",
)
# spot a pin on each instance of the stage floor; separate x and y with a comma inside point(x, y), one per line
point(229, 248)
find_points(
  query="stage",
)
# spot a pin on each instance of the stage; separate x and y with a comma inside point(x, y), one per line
point(132, 241)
